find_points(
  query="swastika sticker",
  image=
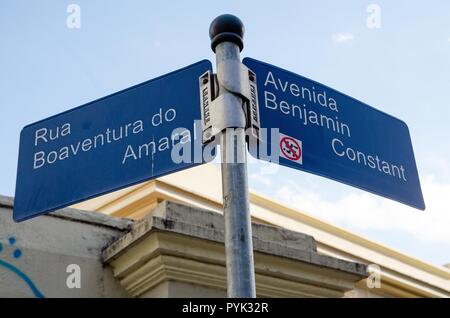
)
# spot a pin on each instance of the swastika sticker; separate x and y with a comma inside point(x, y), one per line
point(291, 149)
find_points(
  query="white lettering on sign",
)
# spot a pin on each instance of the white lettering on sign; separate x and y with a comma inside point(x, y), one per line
point(308, 94)
point(318, 108)
point(179, 141)
point(47, 135)
point(153, 146)
point(371, 161)
point(305, 116)
point(159, 118)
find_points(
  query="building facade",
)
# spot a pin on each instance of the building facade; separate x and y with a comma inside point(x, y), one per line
point(164, 238)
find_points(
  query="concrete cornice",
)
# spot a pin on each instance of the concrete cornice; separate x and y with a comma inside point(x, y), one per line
point(80, 216)
point(200, 187)
point(186, 244)
point(7, 202)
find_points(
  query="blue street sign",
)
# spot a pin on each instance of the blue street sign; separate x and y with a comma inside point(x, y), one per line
point(325, 132)
point(113, 142)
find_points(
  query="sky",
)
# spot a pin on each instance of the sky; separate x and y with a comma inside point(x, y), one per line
point(401, 66)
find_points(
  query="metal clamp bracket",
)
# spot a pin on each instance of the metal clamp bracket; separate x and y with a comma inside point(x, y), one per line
point(215, 117)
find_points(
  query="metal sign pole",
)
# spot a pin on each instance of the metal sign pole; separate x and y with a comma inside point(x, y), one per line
point(226, 33)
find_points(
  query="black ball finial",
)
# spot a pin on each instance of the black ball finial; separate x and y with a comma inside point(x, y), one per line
point(226, 28)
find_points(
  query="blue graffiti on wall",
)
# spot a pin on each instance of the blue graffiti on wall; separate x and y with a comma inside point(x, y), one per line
point(16, 254)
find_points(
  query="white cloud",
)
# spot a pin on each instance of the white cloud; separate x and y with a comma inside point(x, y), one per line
point(364, 211)
point(343, 37)
point(439, 165)
point(261, 179)
point(157, 43)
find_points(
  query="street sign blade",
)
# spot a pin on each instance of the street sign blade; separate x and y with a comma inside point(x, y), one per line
point(330, 134)
point(113, 142)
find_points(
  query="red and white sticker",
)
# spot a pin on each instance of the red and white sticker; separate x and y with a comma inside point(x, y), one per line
point(291, 149)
